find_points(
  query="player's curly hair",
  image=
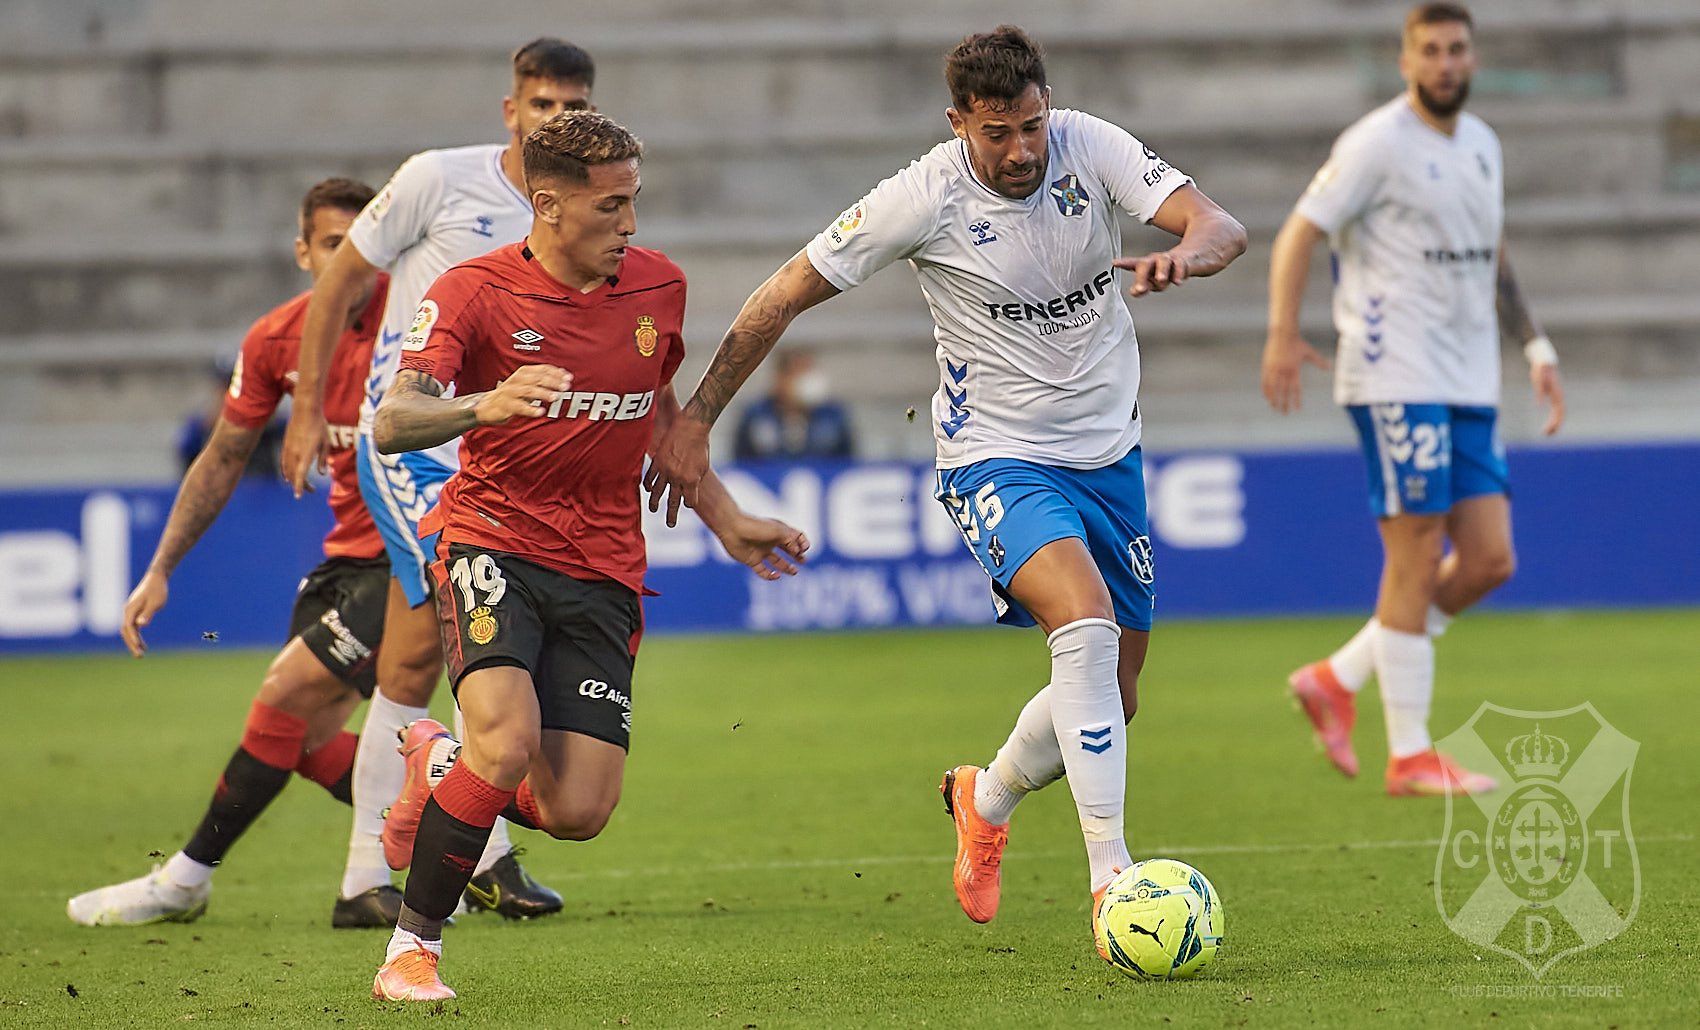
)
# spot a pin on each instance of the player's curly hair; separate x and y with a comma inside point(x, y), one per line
point(349, 195)
point(567, 145)
point(995, 67)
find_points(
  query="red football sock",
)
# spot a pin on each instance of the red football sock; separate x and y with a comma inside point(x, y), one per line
point(526, 802)
point(331, 765)
point(274, 736)
point(470, 798)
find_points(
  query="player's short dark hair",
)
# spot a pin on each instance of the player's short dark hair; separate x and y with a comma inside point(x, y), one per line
point(555, 59)
point(995, 67)
point(567, 145)
point(1437, 14)
point(343, 194)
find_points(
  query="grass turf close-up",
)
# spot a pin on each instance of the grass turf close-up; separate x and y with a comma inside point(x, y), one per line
point(781, 856)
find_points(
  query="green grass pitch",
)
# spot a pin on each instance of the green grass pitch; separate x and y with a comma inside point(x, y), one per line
point(782, 859)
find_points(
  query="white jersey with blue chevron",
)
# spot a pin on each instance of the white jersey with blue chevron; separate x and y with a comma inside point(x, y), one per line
point(442, 207)
point(1414, 218)
point(1036, 350)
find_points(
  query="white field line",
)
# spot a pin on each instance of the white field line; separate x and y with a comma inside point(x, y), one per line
point(945, 858)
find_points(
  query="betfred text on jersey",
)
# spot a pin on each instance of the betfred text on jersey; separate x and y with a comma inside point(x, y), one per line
point(620, 407)
point(1056, 308)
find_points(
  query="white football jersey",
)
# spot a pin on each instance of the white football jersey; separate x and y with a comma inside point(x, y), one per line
point(1036, 350)
point(442, 207)
point(1414, 218)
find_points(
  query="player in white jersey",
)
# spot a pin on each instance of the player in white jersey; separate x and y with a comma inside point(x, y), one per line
point(1411, 200)
point(1011, 228)
point(442, 207)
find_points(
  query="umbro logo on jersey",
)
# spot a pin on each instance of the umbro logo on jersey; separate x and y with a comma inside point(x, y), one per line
point(982, 232)
point(527, 339)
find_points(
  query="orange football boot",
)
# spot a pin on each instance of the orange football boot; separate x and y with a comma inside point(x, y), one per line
point(978, 876)
point(1100, 941)
point(411, 976)
point(401, 822)
point(1432, 774)
point(1331, 709)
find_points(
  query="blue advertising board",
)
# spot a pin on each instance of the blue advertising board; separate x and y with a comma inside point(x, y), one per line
point(1234, 534)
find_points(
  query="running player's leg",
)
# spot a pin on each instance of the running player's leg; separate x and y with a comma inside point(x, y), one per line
point(1482, 558)
point(1479, 525)
point(1404, 654)
point(298, 697)
point(503, 735)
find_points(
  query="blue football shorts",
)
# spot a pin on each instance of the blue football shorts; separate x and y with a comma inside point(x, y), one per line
point(1424, 458)
point(399, 489)
point(1007, 509)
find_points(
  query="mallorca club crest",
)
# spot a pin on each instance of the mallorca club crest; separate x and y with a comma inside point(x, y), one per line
point(1545, 866)
point(1070, 198)
point(646, 336)
point(481, 627)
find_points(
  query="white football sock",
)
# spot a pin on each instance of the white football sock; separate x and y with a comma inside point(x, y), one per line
point(1355, 661)
point(498, 844)
point(404, 941)
point(1086, 713)
point(1404, 663)
point(379, 774)
point(1028, 760)
point(1107, 858)
point(1438, 621)
point(185, 872)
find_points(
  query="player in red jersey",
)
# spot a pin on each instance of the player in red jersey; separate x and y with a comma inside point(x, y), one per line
point(295, 724)
point(541, 553)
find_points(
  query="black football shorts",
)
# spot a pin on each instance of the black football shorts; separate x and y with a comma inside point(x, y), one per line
point(576, 637)
point(339, 615)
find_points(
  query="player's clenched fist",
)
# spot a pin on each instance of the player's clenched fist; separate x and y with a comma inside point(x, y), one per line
point(1153, 273)
point(528, 393)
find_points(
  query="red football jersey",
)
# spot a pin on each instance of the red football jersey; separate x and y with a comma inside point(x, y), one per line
point(266, 370)
point(562, 489)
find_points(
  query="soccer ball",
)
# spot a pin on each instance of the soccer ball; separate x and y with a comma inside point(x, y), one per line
point(1160, 920)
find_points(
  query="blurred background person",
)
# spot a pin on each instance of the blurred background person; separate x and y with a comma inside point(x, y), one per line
point(197, 427)
point(798, 418)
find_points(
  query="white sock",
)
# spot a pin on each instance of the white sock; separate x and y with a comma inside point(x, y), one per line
point(1086, 714)
point(1355, 661)
point(379, 774)
point(404, 941)
point(498, 844)
point(1028, 760)
point(1404, 663)
point(1438, 621)
point(440, 757)
point(1106, 858)
point(185, 872)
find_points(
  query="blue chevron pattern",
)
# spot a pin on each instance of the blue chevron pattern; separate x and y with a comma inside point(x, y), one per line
point(1096, 741)
point(959, 413)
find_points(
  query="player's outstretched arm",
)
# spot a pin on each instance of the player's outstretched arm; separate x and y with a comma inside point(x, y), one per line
point(415, 415)
point(207, 487)
point(768, 546)
point(680, 460)
point(1210, 240)
point(1517, 322)
point(348, 278)
point(1285, 352)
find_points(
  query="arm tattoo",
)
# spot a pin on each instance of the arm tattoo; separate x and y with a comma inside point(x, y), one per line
point(1514, 317)
point(413, 414)
point(787, 293)
point(207, 487)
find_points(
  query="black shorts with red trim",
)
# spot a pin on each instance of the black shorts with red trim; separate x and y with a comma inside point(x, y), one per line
point(577, 638)
point(339, 615)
